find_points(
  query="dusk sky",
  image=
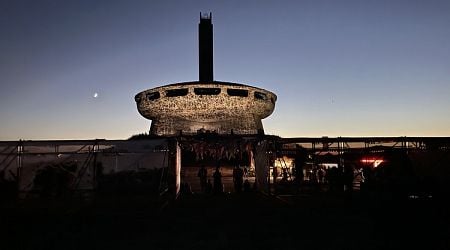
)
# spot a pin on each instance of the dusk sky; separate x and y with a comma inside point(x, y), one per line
point(339, 68)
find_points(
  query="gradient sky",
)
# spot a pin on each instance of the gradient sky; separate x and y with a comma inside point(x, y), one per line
point(339, 68)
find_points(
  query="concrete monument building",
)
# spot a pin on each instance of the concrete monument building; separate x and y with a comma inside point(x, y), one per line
point(205, 105)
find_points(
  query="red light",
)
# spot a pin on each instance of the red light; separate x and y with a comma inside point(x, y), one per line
point(376, 162)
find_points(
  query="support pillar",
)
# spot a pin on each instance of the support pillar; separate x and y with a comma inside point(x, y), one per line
point(261, 166)
point(174, 165)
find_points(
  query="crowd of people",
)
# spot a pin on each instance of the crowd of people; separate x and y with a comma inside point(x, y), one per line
point(392, 178)
point(335, 178)
point(240, 176)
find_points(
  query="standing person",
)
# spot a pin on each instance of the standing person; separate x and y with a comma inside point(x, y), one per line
point(218, 187)
point(247, 187)
point(301, 156)
point(238, 178)
point(321, 175)
point(209, 187)
point(275, 175)
point(347, 179)
point(202, 174)
point(284, 179)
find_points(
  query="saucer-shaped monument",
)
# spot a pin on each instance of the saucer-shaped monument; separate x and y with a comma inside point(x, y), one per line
point(188, 108)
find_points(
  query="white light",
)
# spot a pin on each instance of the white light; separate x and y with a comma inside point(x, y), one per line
point(95, 95)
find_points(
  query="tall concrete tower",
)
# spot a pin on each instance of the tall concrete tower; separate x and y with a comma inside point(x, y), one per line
point(205, 48)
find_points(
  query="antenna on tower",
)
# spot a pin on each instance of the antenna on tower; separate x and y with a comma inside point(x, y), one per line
point(205, 48)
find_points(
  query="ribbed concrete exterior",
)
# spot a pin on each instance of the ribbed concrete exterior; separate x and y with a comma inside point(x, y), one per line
point(219, 107)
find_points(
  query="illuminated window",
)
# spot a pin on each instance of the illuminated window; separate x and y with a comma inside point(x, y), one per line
point(260, 96)
point(207, 91)
point(176, 92)
point(237, 92)
point(153, 96)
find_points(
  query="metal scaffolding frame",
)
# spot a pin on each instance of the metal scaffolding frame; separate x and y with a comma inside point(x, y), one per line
point(15, 151)
point(341, 145)
point(428, 154)
point(14, 156)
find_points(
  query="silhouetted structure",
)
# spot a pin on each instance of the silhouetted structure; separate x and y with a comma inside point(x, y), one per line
point(205, 48)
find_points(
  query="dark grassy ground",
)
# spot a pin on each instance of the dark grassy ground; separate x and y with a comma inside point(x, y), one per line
point(231, 221)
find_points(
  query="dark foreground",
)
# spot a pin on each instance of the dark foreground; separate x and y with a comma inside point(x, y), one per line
point(231, 221)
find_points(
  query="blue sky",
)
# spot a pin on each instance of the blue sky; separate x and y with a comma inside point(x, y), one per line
point(339, 68)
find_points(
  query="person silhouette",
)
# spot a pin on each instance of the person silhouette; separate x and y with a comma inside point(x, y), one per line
point(245, 170)
point(247, 187)
point(238, 180)
point(202, 174)
point(218, 187)
point(209, 186)
point(255, 185)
